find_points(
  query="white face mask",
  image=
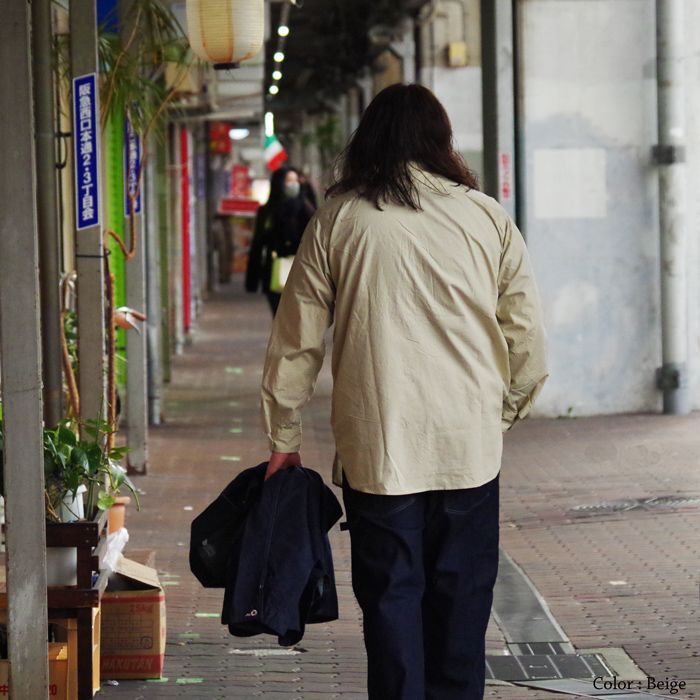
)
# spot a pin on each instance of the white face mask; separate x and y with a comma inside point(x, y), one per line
point(292, 189)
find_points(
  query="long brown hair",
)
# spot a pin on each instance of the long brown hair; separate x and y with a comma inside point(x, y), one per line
point(402, 124)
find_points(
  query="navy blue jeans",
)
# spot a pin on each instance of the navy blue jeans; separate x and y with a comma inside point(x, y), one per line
point(423, 570)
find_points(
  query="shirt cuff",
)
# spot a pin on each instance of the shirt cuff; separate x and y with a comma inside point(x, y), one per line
point(286, 440)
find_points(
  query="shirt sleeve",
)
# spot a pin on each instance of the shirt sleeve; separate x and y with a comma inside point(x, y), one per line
point(520, 317)
point(296, 346)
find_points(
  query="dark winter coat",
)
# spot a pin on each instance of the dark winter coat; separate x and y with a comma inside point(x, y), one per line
point(279, 573)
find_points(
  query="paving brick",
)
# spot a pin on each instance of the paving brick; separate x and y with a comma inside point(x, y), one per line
point(550, 467)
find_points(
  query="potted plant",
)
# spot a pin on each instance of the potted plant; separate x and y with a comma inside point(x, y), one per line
point(76, 465)
point(82, 477)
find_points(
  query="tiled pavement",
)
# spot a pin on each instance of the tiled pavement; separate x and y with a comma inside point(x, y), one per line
point(624, 579)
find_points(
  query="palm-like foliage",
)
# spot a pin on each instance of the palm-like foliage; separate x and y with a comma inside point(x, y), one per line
point(132, 64)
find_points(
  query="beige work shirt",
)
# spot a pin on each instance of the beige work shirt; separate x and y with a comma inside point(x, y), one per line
point(438, 343)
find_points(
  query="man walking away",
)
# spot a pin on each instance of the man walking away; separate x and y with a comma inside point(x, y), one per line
point(438, 347)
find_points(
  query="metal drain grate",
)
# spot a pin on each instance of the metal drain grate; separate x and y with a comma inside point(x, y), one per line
point(545, 667)
point(542, 648)
point(631, 504)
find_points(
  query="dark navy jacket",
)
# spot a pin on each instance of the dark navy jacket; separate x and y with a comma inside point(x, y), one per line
point(278, 573)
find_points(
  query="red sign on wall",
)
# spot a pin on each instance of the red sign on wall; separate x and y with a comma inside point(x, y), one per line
point(240, 181)
point(505, 166)
point(238, 206)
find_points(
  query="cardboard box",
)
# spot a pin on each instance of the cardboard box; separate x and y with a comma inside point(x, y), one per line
point(133, 623)
point(66, 634)
point(58, 673)
point(66, 630)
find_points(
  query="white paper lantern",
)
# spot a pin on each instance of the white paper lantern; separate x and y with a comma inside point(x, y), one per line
point(225, 32)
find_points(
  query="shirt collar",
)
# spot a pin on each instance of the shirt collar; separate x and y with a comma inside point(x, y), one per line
point(423, 177)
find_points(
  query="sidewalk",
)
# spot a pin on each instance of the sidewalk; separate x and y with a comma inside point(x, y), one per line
point(611, 578)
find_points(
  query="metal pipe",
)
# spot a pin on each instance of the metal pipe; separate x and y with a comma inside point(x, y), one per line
point(669, 154)
point(47, 210)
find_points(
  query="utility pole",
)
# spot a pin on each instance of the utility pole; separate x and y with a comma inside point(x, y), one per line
point(90, 250)
point(47, 210)
point(89, 245)
point(670, 156)
point(498, 90)
point(20, 366)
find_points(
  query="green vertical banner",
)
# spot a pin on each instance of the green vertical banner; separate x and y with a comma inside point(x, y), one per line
point(114, 216)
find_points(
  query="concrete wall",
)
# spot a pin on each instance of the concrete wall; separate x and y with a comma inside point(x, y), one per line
point(458, 88)
point(588, 112)
point(589, 188)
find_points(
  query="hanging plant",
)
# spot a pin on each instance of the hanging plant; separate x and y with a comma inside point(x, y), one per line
point(132, 67)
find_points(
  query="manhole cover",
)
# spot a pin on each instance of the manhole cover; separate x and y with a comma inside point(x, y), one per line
point(627, 504)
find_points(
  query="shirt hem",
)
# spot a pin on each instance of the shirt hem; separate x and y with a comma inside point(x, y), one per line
point(442, 484)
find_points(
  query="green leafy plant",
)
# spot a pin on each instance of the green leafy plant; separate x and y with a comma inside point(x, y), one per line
point(70, 328)
point(71, 462)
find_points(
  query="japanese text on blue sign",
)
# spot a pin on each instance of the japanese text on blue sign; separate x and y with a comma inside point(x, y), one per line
point(132, 163)
point(85, 135)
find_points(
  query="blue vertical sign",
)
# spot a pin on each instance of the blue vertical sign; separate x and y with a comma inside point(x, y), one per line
point(85, 135)
point(132, 164)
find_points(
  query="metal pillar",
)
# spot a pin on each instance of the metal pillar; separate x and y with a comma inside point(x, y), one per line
point(669, 154)
point(47, 210)
point(210, 185)
point(498, 101)
point(136, 375)
point(89, 248)
point(154, 311)
point(136, 343)
point(177, 248)
point(166, 199)
point(20, 365)
point(200, 205)
point(186, 223)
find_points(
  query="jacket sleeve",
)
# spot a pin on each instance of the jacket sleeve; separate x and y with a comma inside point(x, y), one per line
point(296, 347)
point(519, 314)
point(253, 270)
